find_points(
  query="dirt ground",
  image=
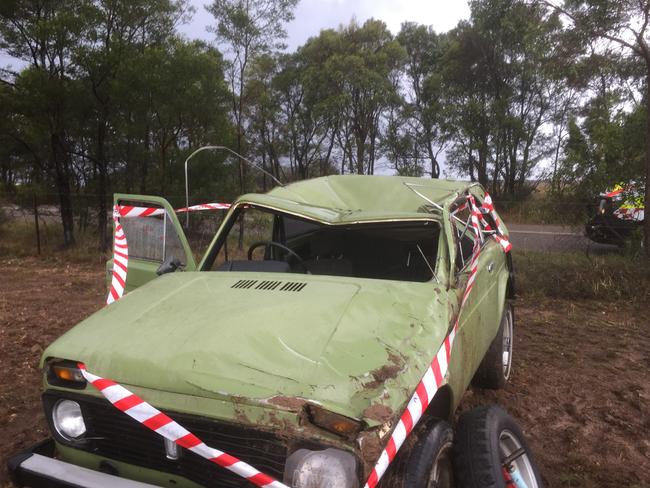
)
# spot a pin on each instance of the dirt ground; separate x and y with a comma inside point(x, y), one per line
point(580, 391)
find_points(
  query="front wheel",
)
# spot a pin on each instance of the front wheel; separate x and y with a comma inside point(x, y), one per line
point(430, 464)
point(491, 452)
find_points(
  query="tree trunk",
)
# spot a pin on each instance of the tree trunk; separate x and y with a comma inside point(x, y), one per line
point(646, 225)
point(144, 164)
point(435, 166)
point(360, 156)
point(102, 220)
point(62, 182)
point(242, 177)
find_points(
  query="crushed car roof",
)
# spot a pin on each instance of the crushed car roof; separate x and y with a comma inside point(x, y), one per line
point(357, 198)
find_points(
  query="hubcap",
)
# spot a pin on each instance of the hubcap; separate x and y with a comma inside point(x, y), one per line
point(518, 464)
point(506, 355)
point(442, 472)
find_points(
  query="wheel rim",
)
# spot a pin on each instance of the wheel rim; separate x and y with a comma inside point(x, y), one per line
point(442, 472)
point(519, 463)
point(506, 354)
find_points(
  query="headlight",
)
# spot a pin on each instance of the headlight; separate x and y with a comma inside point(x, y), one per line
point(68, 419)
point(330, 468)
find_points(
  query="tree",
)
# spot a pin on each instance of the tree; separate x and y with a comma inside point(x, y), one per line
point(44, 34)
point(115, 35)
point(249, 28)
point(607, 147)
point(500, 92)
point(625, 23)
point(366, 73)
point(425, 96)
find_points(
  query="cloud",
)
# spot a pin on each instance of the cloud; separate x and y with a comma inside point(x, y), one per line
point(314, 15)
point(311, 16)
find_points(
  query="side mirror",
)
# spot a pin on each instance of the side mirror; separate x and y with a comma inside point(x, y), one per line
point(169, 265)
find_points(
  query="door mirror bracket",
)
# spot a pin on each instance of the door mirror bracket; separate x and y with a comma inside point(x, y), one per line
point(169, 265)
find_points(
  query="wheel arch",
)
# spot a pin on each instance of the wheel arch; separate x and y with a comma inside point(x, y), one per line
point(441, 407)
point(510, 285)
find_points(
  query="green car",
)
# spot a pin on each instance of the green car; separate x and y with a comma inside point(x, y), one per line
point(294, 345)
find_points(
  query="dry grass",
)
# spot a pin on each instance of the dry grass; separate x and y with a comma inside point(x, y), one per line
point(544, 209)
point(577, 276)
point(18, 240)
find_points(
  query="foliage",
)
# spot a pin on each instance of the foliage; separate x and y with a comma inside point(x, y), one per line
point(623, 26)
point(112, 98)
point(606, 149)
point(249, 29)
point(500, 85)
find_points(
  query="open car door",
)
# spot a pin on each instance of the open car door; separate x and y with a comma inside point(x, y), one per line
point(153, 235)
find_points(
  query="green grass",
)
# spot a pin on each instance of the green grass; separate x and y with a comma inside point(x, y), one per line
point(577, 276)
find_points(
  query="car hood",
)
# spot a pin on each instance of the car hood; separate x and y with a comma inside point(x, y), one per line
point(355, 346)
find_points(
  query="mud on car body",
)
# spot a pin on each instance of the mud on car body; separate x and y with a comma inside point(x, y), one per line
point(297, 355)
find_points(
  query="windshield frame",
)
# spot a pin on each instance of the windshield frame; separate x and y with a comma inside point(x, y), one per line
point(440, 265)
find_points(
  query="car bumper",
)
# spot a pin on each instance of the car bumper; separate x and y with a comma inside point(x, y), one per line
point(36, 467)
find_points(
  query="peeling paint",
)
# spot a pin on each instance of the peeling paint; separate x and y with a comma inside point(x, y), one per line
point(289, 403)
point(378, 412)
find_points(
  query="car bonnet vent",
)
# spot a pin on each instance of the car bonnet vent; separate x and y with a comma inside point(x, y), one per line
point(244, 284)
point(269, 285)
point(293, 286)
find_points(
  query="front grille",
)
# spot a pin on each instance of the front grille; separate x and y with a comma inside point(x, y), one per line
point(117, 436)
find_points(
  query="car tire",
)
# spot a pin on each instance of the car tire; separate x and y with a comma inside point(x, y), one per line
point(430, 464)
point(496, 367)
point(487, 437)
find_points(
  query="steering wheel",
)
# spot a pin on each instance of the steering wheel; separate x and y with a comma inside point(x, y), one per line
point(289, 251)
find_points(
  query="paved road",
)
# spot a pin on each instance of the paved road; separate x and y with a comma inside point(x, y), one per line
point(554, 238)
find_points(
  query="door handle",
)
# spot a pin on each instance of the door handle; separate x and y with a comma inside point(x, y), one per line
point(490, 266)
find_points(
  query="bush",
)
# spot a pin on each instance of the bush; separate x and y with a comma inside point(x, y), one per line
point(579, 276)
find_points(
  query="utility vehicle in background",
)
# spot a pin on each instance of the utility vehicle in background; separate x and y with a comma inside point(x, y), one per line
point(618, 213)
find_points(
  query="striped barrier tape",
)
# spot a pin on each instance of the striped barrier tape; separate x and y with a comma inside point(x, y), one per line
point(434, 377)
point(130, 211)
point(152, 418)
point(500, 235)
point(120, 247)
point(120, 260)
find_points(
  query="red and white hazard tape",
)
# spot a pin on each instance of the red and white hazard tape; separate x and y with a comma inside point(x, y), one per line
point(204, 206)
point(120, 248)
point(120, 260)
point(434, 377)
point(152, 418)
point(129, 211)
point(500, 236)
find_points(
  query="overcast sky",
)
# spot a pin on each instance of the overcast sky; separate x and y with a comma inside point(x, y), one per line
point(313, 15)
